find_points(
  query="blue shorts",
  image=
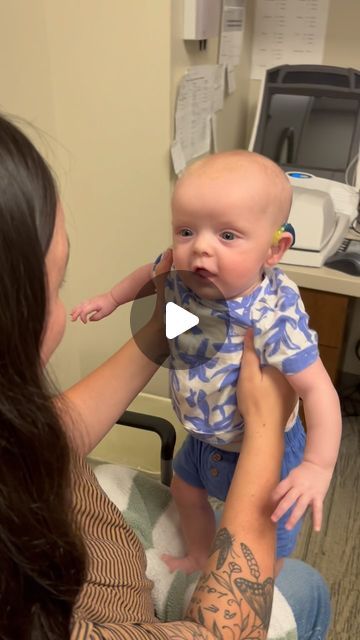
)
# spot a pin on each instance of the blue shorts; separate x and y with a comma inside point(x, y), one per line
point(204, 466)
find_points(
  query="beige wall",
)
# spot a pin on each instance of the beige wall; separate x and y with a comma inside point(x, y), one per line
point(111, 79)
point(24, 63)
point(100, 79)
point(95, 76)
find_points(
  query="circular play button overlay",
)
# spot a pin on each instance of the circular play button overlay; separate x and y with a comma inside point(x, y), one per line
point(196, 318)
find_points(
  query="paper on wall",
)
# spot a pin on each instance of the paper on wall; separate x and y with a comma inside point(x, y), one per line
point(178, 158)
point(288, 32)
point(193, 110)
point(200, 95)
point(232, 32)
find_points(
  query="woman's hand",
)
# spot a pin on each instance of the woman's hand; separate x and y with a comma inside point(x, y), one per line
point(161, 271)
point(151, 339)
point(263, 393)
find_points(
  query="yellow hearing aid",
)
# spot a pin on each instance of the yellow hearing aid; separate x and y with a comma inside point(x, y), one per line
point(285, 227)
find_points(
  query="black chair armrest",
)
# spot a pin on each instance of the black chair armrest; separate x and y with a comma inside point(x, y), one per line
point(164, 429)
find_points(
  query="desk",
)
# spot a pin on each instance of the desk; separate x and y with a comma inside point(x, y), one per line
point(328, 296)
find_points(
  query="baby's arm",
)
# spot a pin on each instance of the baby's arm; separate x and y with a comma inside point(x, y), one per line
point(308, 483)
point(124, 291)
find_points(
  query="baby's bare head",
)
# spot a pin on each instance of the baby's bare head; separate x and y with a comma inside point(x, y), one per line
point(252, 180)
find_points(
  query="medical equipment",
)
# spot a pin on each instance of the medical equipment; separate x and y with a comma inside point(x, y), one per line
point(346, 258)
point(308, 121)
point(321, 213)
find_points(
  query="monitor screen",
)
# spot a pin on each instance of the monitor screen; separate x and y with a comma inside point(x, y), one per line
point(310, 132)
point(308, 119)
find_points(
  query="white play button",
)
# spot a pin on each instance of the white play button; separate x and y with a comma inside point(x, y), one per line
point(193, 348)
point(178, 320)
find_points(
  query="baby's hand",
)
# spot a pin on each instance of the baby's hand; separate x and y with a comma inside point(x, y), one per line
point(306, 485)
point(95, 308)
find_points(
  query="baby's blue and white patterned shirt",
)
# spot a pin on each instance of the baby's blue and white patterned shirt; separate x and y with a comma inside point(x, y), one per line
point(204, 395)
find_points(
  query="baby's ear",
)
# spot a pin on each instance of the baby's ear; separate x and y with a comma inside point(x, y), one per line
point(277, 250)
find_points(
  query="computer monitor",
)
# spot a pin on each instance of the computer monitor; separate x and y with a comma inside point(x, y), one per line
point(308, 119)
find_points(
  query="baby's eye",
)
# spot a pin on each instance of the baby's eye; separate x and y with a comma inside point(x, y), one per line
point(185, 233)
point(227, 235)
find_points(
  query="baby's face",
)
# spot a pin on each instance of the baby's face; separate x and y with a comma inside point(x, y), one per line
point(221, 235)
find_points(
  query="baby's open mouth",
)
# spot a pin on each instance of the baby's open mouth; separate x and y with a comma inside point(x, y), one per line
point(203, 273)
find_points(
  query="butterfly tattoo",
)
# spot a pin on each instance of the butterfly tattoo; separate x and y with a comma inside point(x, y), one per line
point(223, 543)
point(258, 595)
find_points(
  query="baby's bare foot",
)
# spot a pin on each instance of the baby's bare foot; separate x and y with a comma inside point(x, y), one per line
point(187, 564)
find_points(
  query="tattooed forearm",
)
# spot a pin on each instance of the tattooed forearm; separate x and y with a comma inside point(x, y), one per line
point(226, 602)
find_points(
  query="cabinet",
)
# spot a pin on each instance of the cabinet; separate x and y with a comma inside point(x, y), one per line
point(328, 314)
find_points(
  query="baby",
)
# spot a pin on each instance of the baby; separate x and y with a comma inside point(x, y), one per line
point(229, 214)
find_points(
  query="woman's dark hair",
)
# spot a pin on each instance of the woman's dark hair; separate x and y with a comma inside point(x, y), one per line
point(42, 558)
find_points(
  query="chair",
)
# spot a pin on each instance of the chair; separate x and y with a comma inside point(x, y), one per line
point(166, 432)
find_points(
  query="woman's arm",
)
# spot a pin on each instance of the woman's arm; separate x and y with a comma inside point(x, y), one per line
point(93, 405)
point(233, 598)
point(235, 592)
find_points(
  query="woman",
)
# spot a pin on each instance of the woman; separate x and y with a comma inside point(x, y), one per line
point(70, 566)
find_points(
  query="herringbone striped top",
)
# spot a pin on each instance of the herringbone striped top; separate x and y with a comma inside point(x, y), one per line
point(115, 602)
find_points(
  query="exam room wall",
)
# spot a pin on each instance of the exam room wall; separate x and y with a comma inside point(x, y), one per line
point(341, 49)
point(111, 73)
point(96, 78)
point(27, 92)
point(100, 79)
